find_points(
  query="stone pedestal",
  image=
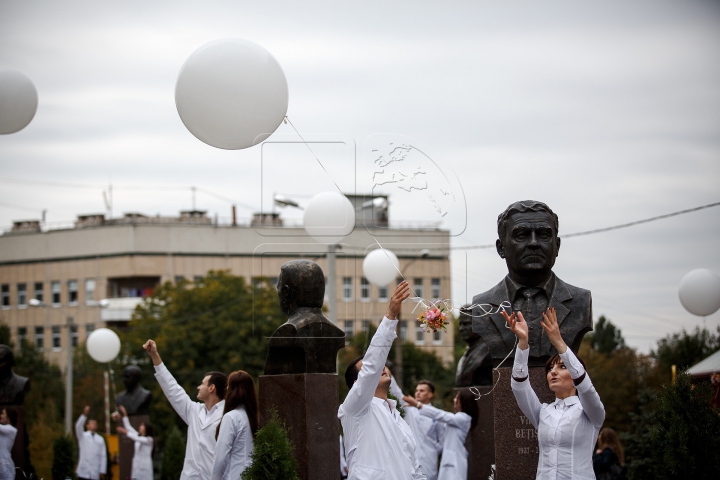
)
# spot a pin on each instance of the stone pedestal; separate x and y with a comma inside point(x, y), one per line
point(480, 441)
point(516, 443)
point(127, 446)
point(308, 404)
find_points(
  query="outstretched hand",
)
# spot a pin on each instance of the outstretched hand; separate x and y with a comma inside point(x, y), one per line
point(151, 349)
point(518, 326)
point(86, 410)
point(410, 400)
point(402, 292)
point(122, 430)
point(122, 410)
point(549, 323)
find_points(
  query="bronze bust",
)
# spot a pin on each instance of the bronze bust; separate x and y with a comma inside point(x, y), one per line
point(475, 366)
point(308, 342)
point(13, 387)
point(135, 398)
point(528, 241)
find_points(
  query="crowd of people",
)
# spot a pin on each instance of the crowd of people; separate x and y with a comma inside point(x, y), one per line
point(377, 442)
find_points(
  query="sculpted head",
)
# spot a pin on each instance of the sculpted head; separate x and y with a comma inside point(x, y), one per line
point(301, 283)
point(131, 377)
point(7, 360)
point(465, 326)
point(528, 241)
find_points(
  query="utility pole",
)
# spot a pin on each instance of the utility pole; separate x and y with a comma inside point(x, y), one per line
point(69, 377)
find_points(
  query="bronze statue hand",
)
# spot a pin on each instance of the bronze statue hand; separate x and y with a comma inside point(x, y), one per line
point(402, 292)
point(518, 326)
point(549, 323)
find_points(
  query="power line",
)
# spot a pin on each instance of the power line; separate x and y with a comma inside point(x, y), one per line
point(606, 229)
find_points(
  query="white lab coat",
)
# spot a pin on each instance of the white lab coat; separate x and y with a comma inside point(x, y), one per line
point(234, 446)
point(7, 440)
point(453, 464)
point(93, 455)
point(200, 449)
point(379, 443)
point(428, 435)
point(343, 461)
point(142, 466)
point(567, 429)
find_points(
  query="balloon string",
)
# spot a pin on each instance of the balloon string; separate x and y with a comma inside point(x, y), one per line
point(475, 390)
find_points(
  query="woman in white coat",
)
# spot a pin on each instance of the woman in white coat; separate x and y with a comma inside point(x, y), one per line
point(142, 465)
point(453, 464)
point(567, 428)
point(236, 432)
point(8, 432)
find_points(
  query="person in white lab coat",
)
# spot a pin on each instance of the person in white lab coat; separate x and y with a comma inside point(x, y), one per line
point(142, 466)
point(237, 429)
point(428, 432)
point(378, 442)
point(343, 460)
point(92, 464)
point(453, 464)
point(568, 427)
point(8, 432)
point(202, 417)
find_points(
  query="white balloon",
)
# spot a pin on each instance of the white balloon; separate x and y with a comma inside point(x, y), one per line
point(231, 93)
point(381, 267)
point(329, 217)
point(103, 345)
point(700, 292)
point(18, 101)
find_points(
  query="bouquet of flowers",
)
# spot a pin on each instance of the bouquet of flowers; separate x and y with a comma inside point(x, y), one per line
point(434, 317)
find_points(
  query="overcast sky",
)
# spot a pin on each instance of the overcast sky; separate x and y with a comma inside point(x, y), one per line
point(609, 113)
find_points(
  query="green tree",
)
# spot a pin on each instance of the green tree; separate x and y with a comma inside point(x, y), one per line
point(63, 463)
point(636, 442)
point(685, 349)
point(173, 455)
point(272, 457)
point(605, 337)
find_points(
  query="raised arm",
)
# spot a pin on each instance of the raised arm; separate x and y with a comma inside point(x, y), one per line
point(7, 430)
point(455, 419)
point(176, 395)
point(373, 362)
point(520, 382)
point(134, 435)
point(397, 391)
point(80, 424)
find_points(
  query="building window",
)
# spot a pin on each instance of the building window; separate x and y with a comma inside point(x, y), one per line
point(74, 331)
point(365, 326)
point(40, 338)
point(347, 290)
point(56, 339)
point(418, 287)
point(419, 335)
point(39, 291)
point(89, 329)
point(22, 335)
point(383, 294)
point(89, 291)
point(179, 278)
point(22, 295)
point(5, 296)
point(348, 329)
point(364, 289)
point(72, 292)
point(55, 290)
point(403, 330)
point(435, 288)
point(437, 337)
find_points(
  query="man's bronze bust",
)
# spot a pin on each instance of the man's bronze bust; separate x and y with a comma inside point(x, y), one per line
point(135, 398)
point(308, 342)
point(528, 241)
point(12, 387)
point(475, 366)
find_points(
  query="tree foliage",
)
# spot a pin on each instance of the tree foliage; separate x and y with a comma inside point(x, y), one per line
point(272, 457)
point(63, 460)
point(605, 337)
point(173, 455)
point(685, 349)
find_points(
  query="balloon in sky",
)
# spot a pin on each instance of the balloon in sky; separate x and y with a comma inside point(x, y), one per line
point(103, 345)
point(18, 101)
point(700, 292)
point(329, 217)
point(381, 267)
point(231, 94)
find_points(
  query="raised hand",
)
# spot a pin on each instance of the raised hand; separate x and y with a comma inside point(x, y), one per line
point(402, 292)
point(549, 323)
point(518, 326)
point(151, 349)
point(410, 400)
point(122, 410)
point(122, 430)
point(86, 410)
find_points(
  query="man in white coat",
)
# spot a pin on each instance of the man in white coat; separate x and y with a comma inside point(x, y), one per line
point(378, 442)
point(429, 433)
point(201, 417)
point(92, 463)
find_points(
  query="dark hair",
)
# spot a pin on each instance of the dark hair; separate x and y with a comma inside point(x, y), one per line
point(468, 404)
point(12, 415)
point(150, 432)
point(609, 439)
point(430, 385)
point(556, 359)
point(241, 392)
point(220, 381)
point(351, 372)
point(522, 207)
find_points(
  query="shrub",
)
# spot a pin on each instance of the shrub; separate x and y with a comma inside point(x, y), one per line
point(63, 458)
point(272, 457)
point(174, 455)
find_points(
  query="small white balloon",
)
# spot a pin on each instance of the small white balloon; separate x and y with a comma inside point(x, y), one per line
point(381, 267)
point(18, 101)
point(103, 345)
point(700, 292)
point(329, 217)
point(231, 94)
